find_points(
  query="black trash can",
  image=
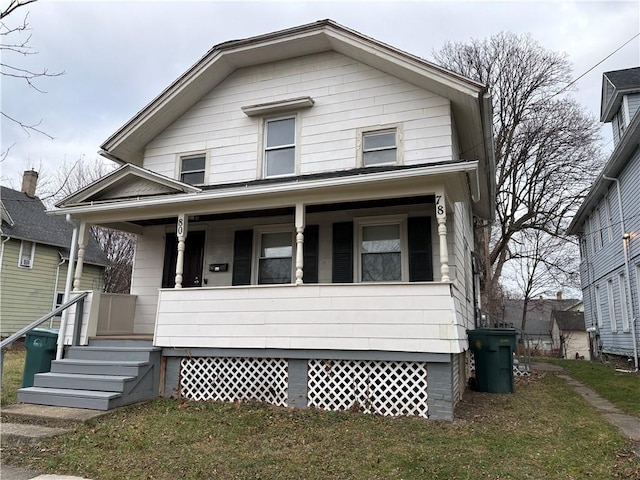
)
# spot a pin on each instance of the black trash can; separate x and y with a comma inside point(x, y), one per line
point(493, 350)
point(41, 344)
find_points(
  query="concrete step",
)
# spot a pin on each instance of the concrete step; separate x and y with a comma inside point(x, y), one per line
point(75, 381)
point(110, 353)
point(90, 399)
point(99, 367)
point(48, 416)
point(15, 434)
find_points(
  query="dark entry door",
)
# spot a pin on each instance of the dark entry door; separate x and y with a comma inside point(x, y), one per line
point(193, 258)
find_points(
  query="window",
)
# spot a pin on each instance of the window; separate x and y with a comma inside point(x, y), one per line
point(379, 148)
point(59, 300)
point(280, 147)
point(598, 307)
point(612, 307)
point(27, 252)
point(607, 206)
point(623, 302)
point(381, 253)
point(192, 169)
point(275, 262)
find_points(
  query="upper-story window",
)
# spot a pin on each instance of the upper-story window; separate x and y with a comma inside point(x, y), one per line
point(379, 147)
point(280, 147)
point(192, 169)
point(27, 252)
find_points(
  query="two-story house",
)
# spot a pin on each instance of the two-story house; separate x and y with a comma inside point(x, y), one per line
point(303, 203)
point(608, 226)
point(34, 256)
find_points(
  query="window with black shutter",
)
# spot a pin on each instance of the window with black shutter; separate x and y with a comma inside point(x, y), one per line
point(342, 266)
point(242, 249)
point(420, 256)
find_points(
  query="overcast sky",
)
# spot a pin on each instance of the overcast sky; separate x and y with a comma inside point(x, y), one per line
point(117, 56)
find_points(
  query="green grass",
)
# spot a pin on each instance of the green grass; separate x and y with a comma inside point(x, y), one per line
point(621, 389)
point(12, 369)
point(543, 431)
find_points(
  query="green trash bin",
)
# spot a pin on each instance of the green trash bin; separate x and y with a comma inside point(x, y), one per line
point(41, 344)
point(493, 350)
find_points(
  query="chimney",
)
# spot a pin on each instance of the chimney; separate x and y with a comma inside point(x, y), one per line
point(559, 295)
point(29, 182)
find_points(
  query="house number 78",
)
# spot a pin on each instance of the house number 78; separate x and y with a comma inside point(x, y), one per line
point(440, 210)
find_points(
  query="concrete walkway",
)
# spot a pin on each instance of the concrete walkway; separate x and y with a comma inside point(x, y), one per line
point(628, 425)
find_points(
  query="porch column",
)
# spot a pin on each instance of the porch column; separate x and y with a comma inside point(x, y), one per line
point(299, 243)
point(82, 246)
point(441, 217)
point(181, 232)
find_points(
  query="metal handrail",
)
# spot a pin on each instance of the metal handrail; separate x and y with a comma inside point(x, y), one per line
point(20, 333)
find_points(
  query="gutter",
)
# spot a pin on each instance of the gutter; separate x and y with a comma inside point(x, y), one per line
point(625, 243)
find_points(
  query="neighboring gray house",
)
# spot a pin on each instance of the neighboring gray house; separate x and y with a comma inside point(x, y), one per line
point(538, 320)
point(608, 225)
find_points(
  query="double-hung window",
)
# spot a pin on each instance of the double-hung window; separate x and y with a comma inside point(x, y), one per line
point(381, 253)
point(275, 261)
point(192, 169)
point(280, 147)
point(27, 252)
point(612, 307)
point(379, 147)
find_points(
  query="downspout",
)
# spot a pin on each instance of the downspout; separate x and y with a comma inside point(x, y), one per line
point(2, 250)
point(67, 288)
point(625, 239)
point(55, 290)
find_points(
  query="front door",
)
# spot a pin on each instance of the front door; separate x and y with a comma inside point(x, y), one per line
point(193, 258)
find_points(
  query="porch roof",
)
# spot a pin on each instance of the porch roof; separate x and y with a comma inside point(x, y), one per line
point(457, 178)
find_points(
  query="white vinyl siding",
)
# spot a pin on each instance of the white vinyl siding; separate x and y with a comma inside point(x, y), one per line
point(349, 96)
point(623, 302)
point(612, 306)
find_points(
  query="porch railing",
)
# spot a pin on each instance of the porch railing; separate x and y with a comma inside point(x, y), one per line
point(79, 299)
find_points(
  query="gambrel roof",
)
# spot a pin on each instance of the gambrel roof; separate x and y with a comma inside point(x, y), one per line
point(470, 102)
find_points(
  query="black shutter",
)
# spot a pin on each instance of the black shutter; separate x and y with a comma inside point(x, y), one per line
point(170, 259)
point(310, 270)
point(420, 257)
point(342, 269)
point(242, 247)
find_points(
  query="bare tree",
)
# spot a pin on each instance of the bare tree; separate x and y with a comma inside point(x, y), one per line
point(15, 42)
point(118, 247)
point(541, 264)
point(546, 145)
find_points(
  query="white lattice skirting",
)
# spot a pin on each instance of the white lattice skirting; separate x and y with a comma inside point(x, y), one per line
point(234, 379)
point(385, 388)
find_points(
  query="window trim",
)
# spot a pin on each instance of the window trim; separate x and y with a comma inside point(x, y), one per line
point(194, 154)
point(622, 286)
point(612, 307)
point(360, 223)
point(31, 255)
point(257, 247)
point(607, 208)
point(598, 306)
point(362, 132)
point(262, 173)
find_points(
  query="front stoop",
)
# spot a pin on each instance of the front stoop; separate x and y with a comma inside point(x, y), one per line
point(101, 376)
point(26, 424)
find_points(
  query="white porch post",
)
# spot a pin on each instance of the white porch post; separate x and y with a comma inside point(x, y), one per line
point(82, 246)
point(181, 232)
point(299, 243)
point(441, 216)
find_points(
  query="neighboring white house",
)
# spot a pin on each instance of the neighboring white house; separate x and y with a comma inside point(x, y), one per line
point(569, 334)
point(608, 225)
point(303, 203)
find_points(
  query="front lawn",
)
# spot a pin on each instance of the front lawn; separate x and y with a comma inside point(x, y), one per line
point(12, 369)
point(620, 388)
point(543, 431)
